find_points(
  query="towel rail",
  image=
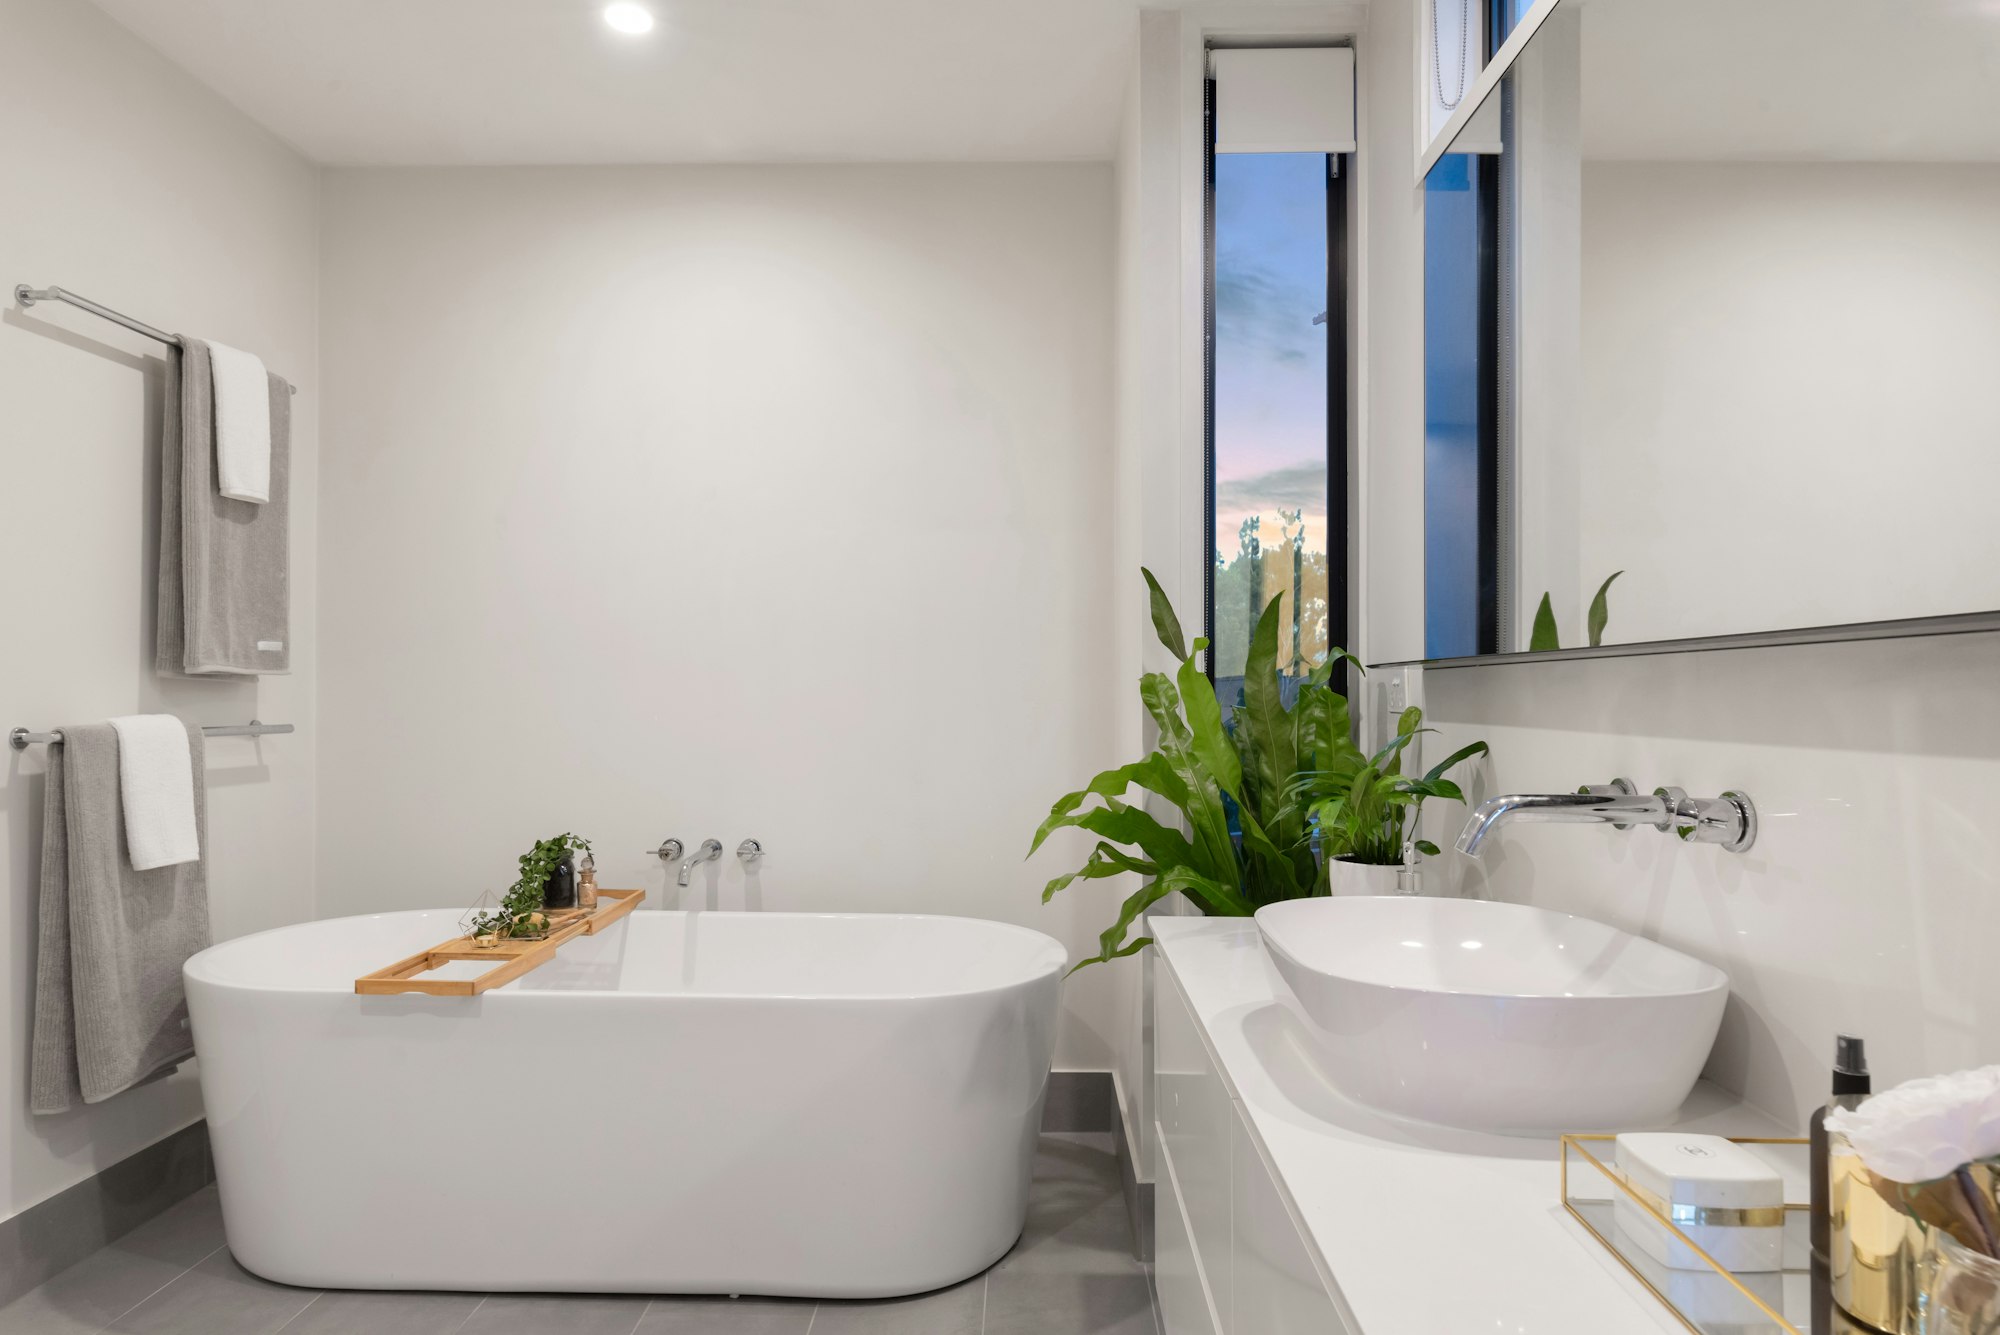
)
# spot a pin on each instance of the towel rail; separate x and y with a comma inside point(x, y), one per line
point(28, 296)
point(21, 739)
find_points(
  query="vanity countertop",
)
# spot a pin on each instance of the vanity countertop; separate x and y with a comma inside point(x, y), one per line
point(1422, 1230)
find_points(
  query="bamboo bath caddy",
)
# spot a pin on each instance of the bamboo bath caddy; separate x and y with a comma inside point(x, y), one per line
point(510, 959)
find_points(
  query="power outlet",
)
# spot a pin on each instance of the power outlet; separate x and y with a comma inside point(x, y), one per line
point(1398, 692)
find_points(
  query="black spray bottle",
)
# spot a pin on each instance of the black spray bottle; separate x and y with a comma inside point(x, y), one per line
point(1850, 1087)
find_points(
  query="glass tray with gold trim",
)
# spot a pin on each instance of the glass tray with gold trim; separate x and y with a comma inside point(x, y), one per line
point(1715, 1301)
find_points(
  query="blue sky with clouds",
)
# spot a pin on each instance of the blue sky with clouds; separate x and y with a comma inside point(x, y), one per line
point(1270, 358)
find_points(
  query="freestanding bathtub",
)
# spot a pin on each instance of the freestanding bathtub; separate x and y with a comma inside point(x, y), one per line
point(830, 1105)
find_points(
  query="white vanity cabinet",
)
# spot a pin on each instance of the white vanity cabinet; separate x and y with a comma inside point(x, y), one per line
point(1230, 1258)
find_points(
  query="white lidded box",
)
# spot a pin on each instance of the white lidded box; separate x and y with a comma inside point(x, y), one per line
point(1725, 1199)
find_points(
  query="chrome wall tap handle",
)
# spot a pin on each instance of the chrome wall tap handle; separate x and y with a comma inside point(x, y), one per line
point(669, 850)
point(1616, 788)
point(710, 850)
point(749, 851)
point(1729, 820)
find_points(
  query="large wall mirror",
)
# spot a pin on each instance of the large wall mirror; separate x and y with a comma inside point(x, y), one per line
point(1712, 330)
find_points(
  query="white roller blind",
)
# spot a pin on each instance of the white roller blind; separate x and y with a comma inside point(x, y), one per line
point(1289, 100)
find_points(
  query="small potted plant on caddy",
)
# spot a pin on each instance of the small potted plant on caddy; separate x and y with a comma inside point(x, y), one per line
point(1268, 801)
point(547, 881)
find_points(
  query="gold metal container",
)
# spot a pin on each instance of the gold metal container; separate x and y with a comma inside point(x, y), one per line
point(1882, 1258)
point(1876, 1250)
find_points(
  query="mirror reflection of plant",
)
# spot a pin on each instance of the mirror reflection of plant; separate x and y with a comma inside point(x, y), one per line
point(1544, 636)
point(1269, 768)
point(522, 904)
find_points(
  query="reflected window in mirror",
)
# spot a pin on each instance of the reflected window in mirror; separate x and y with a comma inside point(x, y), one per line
point(1502, 17)
point(1462, 426)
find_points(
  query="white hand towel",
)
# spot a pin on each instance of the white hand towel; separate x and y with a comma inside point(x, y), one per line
point(156, 788)
point(242, 425)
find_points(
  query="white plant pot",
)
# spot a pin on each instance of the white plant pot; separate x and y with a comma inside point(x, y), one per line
point(1363, 878)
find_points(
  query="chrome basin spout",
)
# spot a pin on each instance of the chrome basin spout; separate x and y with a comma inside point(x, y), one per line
point(1614, 803)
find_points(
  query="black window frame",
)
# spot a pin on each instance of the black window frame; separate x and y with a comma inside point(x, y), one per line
point(1339, 452)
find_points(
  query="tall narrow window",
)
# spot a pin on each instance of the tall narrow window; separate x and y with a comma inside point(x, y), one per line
point(1270, 397)
point(1277, 365)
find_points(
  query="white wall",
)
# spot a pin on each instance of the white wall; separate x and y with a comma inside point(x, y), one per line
point(128, 182)
point(769, 501)
point(1151, 485)
point(1389, 317)
point(1790, 363)
point(1871, 899)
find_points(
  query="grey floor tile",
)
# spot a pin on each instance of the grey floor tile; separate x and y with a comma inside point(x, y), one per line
point(217, 1297)
point(184, 1235)
point(1023, 1302)
point(33, 1313)
point(1076, 1212)
point(555, 1314)
point(349, 1312)
point(727, 1316)
point(953, 1311)
point(89, 1295)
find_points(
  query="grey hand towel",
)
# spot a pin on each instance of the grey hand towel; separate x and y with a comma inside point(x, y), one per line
point(110, 1009)
point(225, 565)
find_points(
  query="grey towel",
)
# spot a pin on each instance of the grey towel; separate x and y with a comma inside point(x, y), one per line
point(225, 566)
point(110, 1009)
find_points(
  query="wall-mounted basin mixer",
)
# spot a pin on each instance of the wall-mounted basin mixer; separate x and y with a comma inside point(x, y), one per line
point(710, 851)
point(1729, 820)
point(748, 852)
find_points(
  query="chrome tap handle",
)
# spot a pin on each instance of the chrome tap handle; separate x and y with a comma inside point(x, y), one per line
point(749, 851)
point(1616, 788)
point(1729, 820)
point(670, 850)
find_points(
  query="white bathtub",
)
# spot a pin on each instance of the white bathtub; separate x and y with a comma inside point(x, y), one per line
point(830, 1105)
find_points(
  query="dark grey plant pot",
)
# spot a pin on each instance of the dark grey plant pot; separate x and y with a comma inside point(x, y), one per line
point(559, 891)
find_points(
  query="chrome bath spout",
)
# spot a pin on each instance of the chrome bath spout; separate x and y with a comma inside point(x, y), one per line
point(710, 851)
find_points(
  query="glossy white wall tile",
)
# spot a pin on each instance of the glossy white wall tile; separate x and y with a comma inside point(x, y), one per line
point(1869, 903)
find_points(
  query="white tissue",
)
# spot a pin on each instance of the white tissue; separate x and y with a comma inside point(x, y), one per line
point(1926, 1129)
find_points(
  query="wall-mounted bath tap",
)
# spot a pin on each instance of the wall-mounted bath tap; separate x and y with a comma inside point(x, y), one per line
point(1729, 820)
point(748, 852)
point(710, 851)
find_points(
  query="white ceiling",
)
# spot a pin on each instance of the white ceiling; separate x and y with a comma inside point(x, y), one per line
point(546, 81)
point(1842, 80)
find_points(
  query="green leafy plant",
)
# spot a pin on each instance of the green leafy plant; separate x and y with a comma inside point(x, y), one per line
point(1273, 769)
point(1543, 636)
point(522, 903)
point(1369, 811)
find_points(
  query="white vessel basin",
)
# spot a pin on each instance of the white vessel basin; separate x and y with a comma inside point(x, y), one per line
point(1496, 1017)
